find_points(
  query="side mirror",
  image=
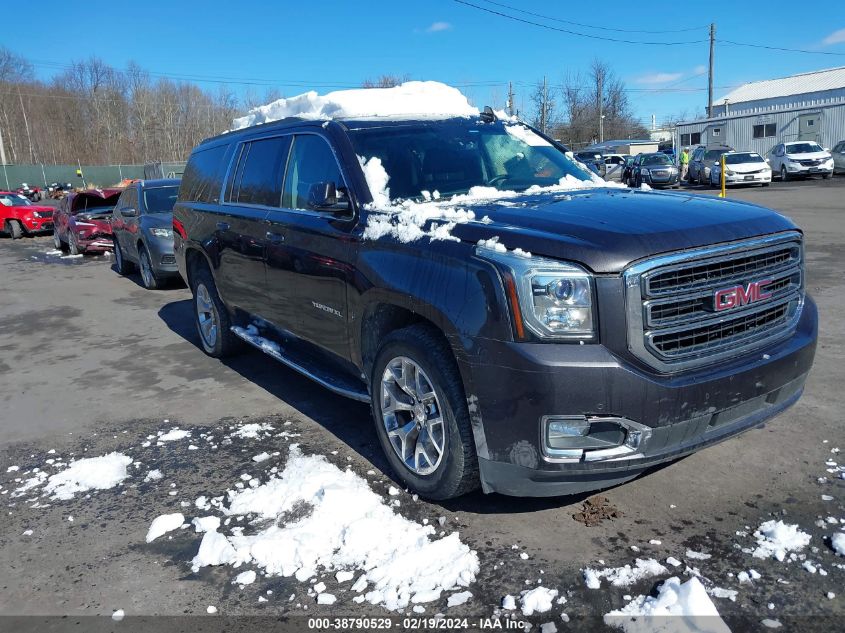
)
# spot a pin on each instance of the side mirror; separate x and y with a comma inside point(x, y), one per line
point(325, 196)
point(129, 212)
point(767, 160)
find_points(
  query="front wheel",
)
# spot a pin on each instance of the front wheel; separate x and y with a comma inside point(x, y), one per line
point(15, 229)
point(212, 318)
point(73, 243)
point(148, 276)
point(825, 176)
point(421, 414)
point(783, 175)
point(57, 241)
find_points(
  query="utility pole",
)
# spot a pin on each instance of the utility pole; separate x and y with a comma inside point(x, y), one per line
point(710, 74)
point(601, 106)
point(544, 107)
point(510, 98)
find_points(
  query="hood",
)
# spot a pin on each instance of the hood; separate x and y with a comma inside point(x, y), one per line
point(744, 168)
point(809, 155)
point(607, 229)
point(159, 220)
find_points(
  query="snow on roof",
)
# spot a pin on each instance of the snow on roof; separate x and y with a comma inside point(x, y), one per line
point(418, 99)
point(816, 81)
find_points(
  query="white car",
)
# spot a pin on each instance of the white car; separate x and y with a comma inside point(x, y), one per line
point(742, 168)
point(800, 158)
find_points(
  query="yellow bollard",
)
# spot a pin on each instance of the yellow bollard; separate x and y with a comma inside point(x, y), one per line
point(722, 174)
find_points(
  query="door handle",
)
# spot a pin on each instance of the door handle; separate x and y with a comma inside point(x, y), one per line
point(223, 226)
point(274, 237)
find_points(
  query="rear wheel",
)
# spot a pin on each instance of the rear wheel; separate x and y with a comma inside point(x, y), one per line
point(57, 241)
point(148, 276)
point(421, 414)
point(212, 318)
point(14, 229)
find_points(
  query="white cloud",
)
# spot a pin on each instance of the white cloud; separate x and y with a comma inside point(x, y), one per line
point(837, 37)
point(436, 27)
point(658, 78)
point(699, 70)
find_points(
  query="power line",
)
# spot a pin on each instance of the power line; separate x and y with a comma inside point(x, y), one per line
point(780, 48)
point(591, 26)
point(570, 32)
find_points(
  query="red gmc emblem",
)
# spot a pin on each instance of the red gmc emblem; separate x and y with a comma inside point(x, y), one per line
point(737, 296)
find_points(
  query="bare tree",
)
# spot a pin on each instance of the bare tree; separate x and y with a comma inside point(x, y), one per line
point(386, 81)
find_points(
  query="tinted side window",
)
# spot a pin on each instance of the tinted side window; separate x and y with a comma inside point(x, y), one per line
point(201, 180)
point(257, 179)
point(311, 161)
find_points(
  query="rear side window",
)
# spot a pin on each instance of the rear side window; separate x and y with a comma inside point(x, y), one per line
point(311, 162)
point(257, 177)
point(202, 181)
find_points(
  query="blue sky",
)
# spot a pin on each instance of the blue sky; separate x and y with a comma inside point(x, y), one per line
point(296, 46)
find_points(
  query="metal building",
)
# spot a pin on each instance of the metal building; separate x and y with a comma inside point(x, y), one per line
point(759, 115)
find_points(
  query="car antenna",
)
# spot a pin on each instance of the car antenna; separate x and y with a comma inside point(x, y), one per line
point(487, 115)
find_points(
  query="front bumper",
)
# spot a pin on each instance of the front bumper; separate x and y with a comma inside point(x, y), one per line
point(97, 243)
point(516, 385)
point(669, 180)
point(800, 170)
point(162, 256)
point(37, 225)
point(748, 179)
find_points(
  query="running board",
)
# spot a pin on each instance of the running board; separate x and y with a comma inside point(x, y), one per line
point(339, 384)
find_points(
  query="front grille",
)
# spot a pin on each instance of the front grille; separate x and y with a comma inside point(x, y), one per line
point(674, 321)
point(811, 162)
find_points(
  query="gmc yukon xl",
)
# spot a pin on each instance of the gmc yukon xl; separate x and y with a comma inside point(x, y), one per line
point(515, 323)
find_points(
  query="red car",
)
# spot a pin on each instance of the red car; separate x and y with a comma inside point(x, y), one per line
point(19, 217)
point(82, 221)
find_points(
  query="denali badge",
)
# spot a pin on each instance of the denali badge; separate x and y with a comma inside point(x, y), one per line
point(737, 296)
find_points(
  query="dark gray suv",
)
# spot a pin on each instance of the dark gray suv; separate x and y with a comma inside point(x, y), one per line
point(702, 160)
point(142, 227)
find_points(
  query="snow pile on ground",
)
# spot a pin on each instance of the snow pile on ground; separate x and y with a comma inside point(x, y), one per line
point(418, 99)
point(837, 541)
point(688, 602)
point(173, 435)
point(346, 526)
point(624, 576)
point(163, 524)
point(93, 473)
point(776, 539)
point(537, 600)
point(253, 430)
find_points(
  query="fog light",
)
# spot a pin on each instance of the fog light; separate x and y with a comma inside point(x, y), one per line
point(572, 438)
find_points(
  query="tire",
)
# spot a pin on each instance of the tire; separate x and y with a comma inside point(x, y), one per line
point(148, 275)
point(57, 241)
point(15, 229)
point(455, 469)
point(783, 175)
point(122, 266)
point(765, 184)
point(221, 342)
point(73, 243)
point(825, 176)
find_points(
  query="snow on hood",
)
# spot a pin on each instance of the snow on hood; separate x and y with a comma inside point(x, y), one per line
point(410, 220)
point(419, 99)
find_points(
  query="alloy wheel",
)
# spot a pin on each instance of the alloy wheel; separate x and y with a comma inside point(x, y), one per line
point(118, 255)
point(147, 270)
point(412, 416)
point(206, 316)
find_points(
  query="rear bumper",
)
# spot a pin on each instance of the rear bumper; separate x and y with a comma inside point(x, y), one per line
point(519, 384)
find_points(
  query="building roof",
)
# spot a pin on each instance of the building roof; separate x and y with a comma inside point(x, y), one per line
point(816, 81)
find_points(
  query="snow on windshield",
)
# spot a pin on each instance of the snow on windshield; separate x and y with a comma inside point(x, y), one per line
point(420, 99)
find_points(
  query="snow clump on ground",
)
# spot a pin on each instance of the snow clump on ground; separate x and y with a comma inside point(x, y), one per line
point(776, 539)
point(93, 473)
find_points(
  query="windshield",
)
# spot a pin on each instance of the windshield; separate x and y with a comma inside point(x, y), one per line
point(736, 159)
point(451, 157)
point(713, 154)
point(14, 200)
point(160, 199)
point(803, 148)
point(656, 159)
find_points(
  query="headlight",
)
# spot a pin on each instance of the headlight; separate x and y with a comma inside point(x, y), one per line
point(553, 299)
point(728, 172)
point(162, 232)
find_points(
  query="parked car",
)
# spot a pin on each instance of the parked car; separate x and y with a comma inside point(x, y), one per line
point(59, 190)
point(654, 169)
point(31, 192)
point(593, 160)
point(19, 217)
point(142, 230)
point(614, 166)
point(82, 221)
point(702, 159)
point(741, 168)
point(800, 158)
point(671, 154)
point(543, 348)
point(838, 154)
